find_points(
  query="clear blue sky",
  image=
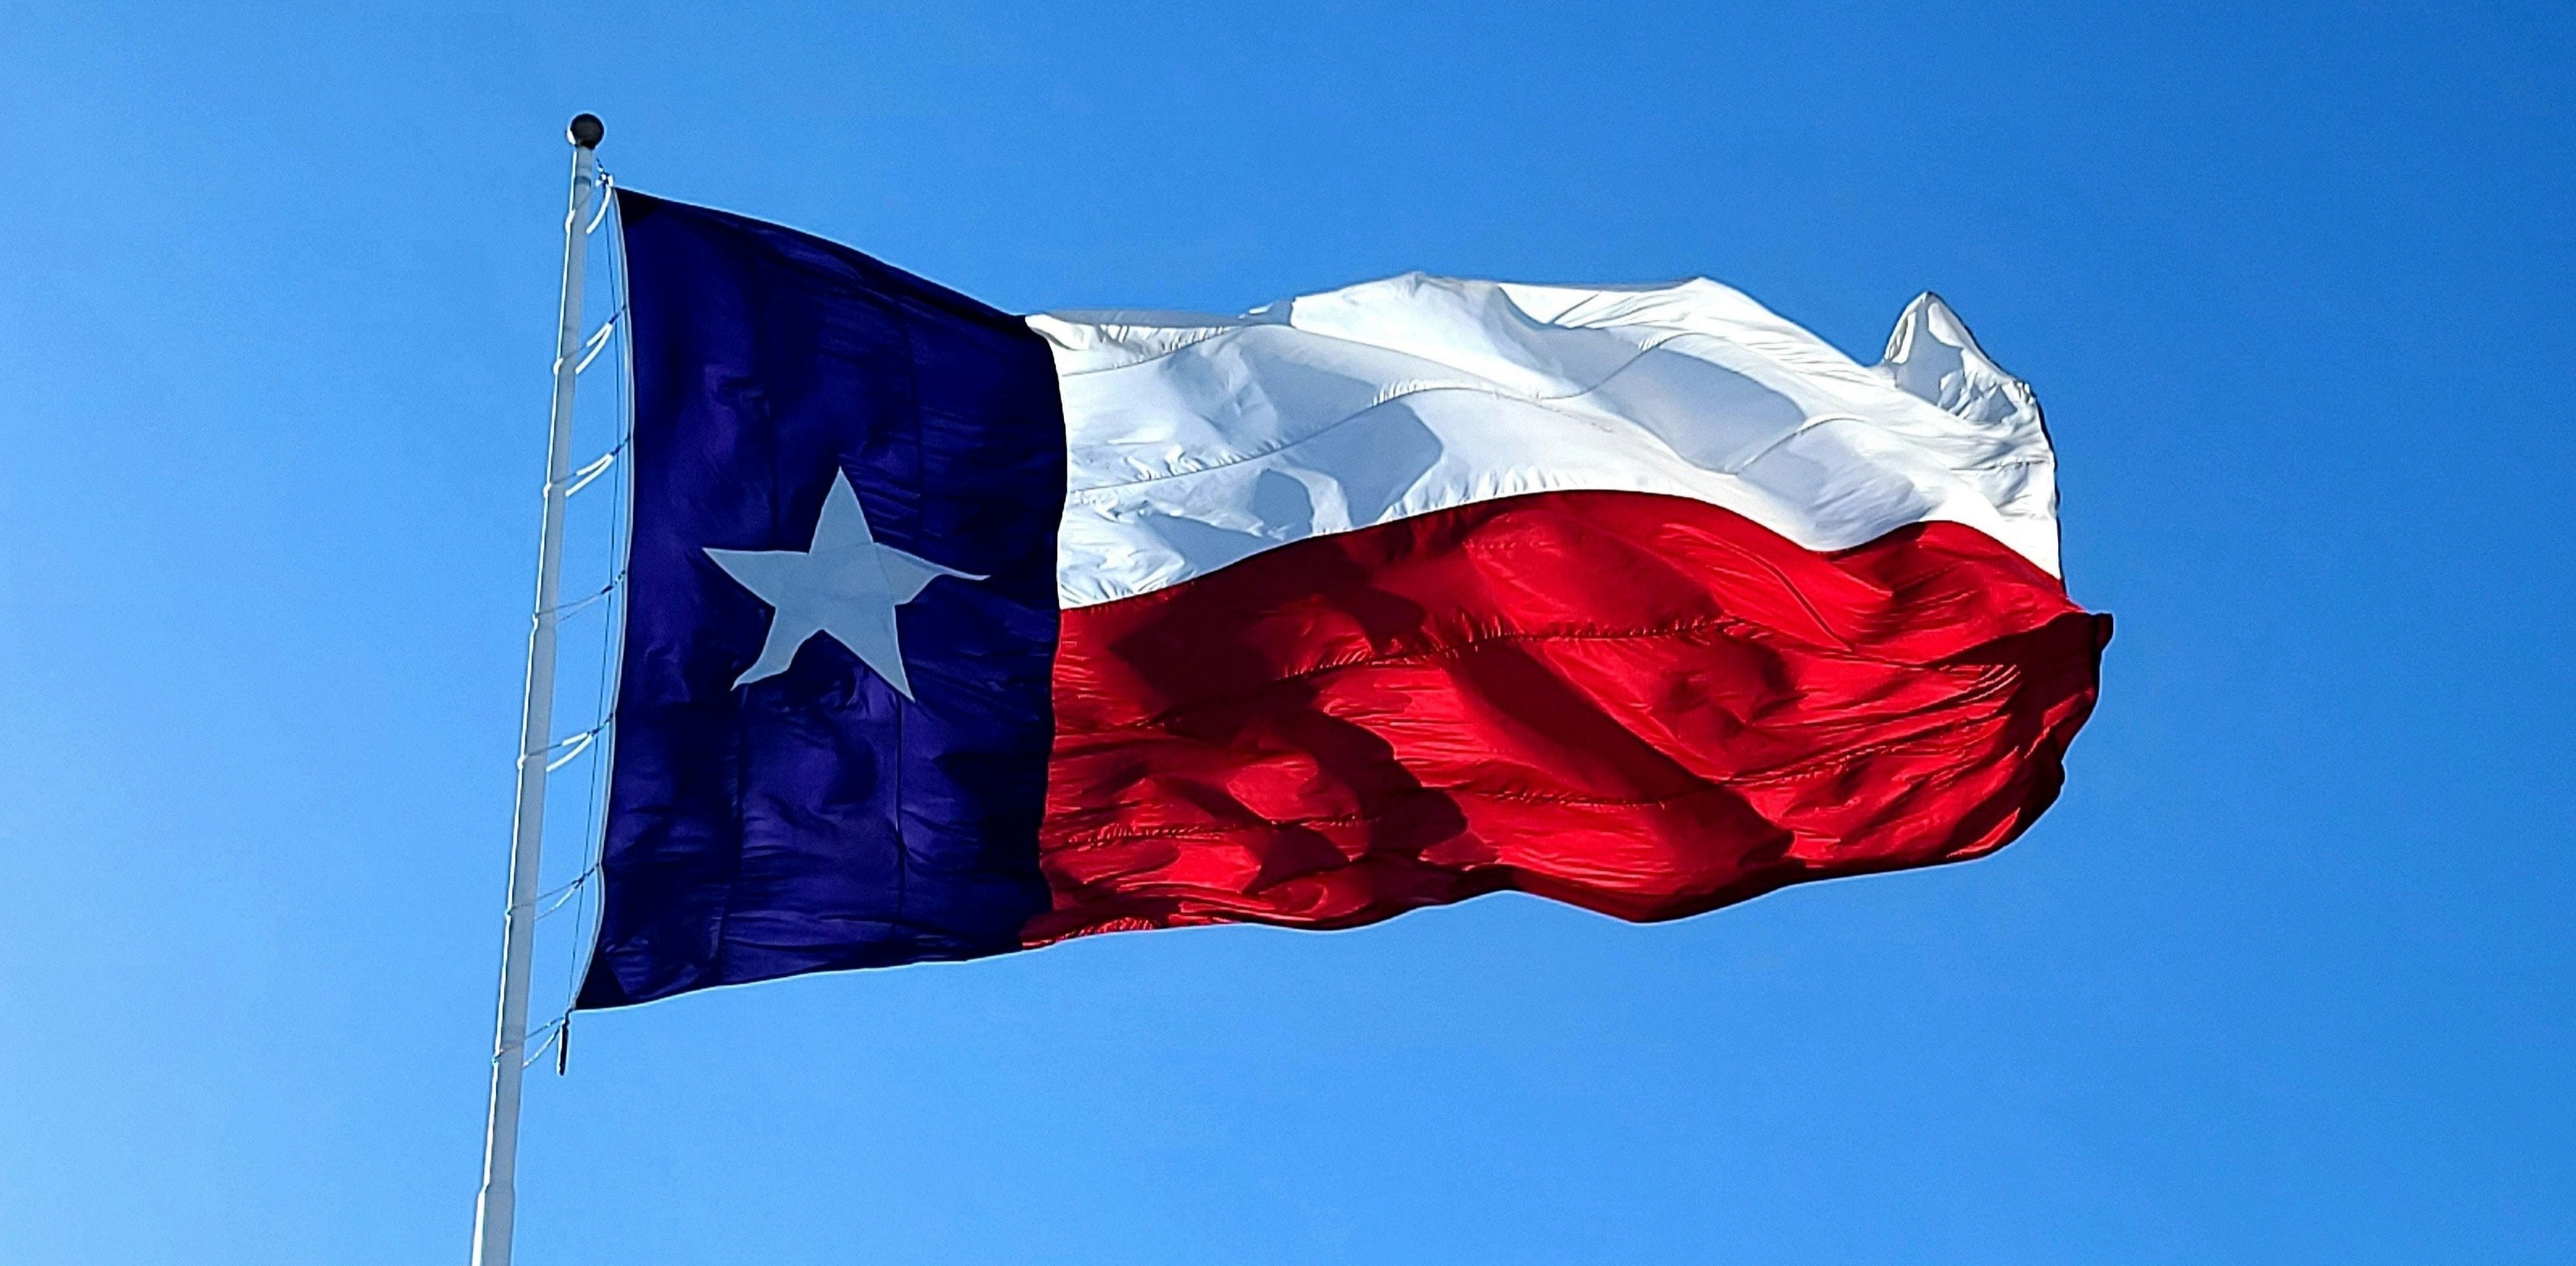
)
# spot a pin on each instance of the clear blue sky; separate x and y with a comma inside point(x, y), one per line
point(2286, 976)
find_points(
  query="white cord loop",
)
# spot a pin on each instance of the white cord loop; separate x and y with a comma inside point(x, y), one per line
point(582, 477)
point(598, 342)
point(576, 743)
point(580, 743)
point(562, 895)
point(554, 1029)
point(566, 610)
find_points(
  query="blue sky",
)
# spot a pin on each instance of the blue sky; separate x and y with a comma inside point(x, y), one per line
point(2284, 977)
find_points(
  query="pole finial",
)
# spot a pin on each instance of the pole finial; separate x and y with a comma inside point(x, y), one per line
point(586, 130)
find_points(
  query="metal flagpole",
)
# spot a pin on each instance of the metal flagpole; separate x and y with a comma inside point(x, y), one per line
point(496, 1206)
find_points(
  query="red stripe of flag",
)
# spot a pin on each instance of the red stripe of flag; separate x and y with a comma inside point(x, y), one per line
point(1643, 705)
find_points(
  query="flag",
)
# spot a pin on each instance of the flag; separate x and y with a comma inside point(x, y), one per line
point(951, 632)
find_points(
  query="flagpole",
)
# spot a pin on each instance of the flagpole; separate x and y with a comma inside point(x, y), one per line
point(496, 1205)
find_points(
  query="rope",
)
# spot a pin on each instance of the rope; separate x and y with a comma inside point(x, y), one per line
point(576, 893)
point(611, 665)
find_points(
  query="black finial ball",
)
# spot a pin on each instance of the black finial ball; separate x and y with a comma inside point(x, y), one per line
point(586, 130)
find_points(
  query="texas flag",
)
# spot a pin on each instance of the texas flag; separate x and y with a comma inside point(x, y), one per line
point(951, 632)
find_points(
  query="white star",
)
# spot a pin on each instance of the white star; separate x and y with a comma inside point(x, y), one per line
point(844, 584)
